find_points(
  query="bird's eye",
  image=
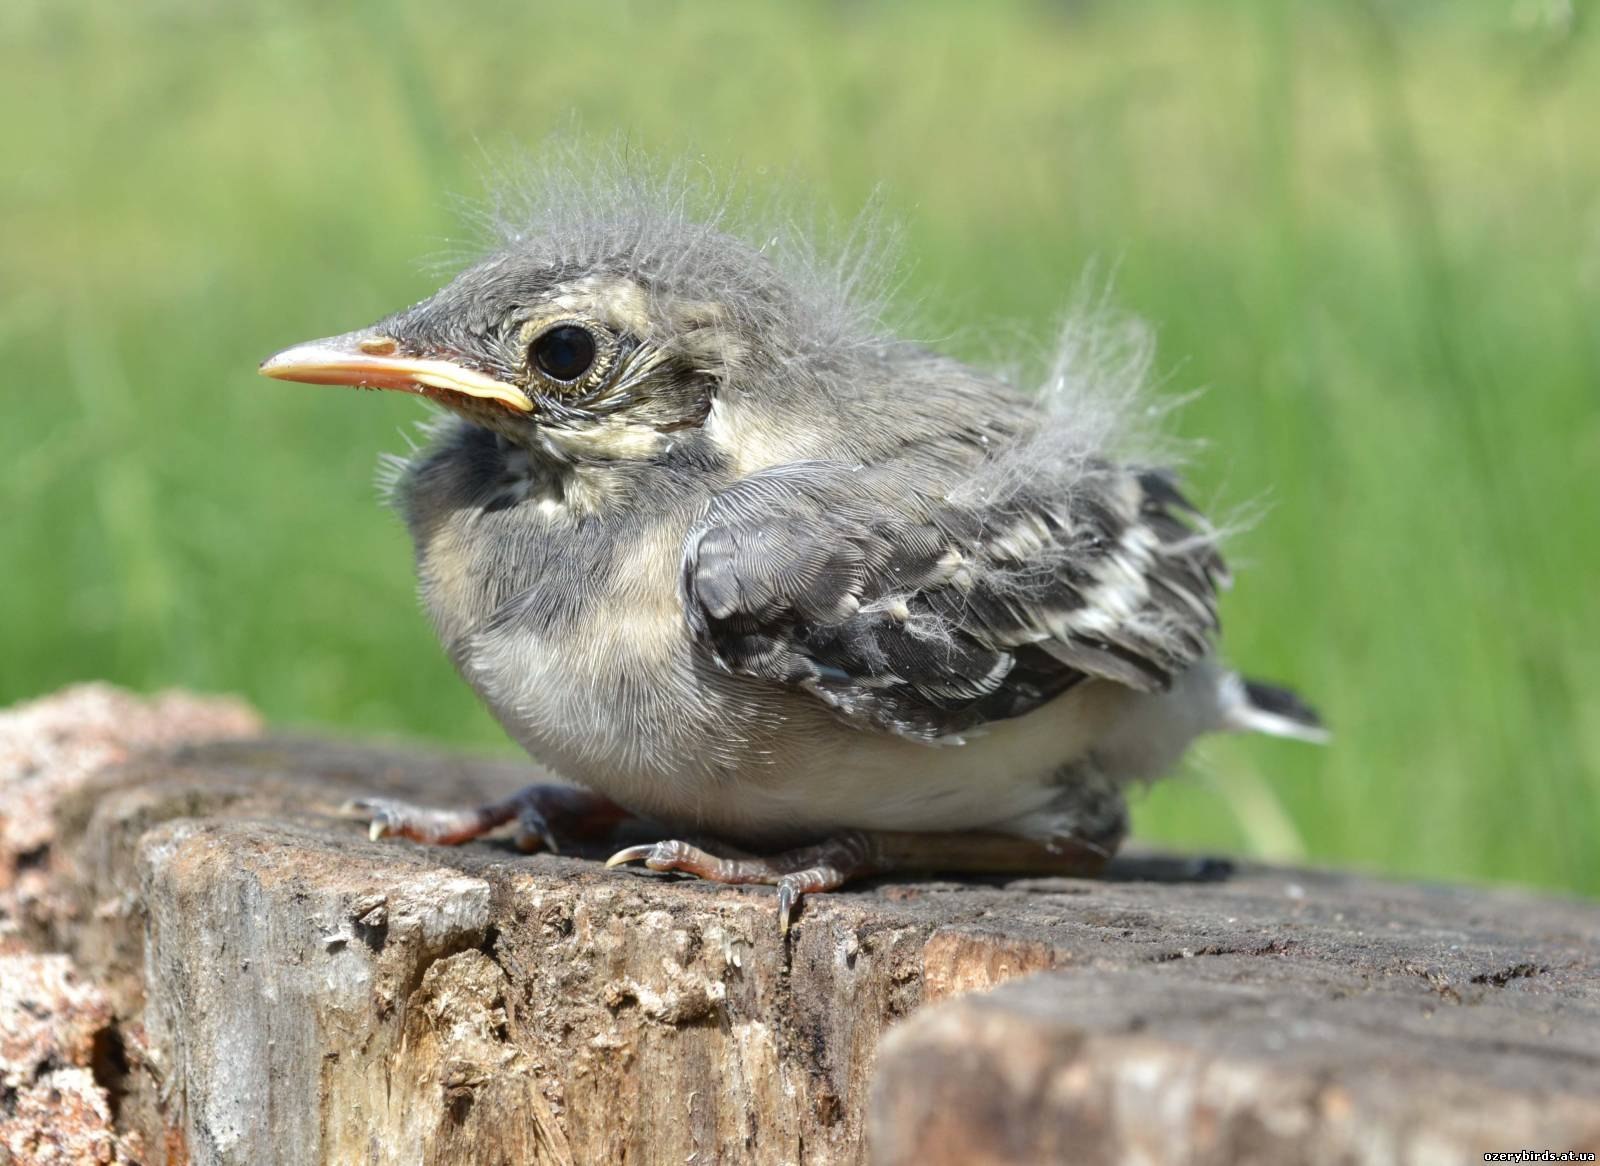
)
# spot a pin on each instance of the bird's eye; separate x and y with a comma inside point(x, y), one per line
point(564, 353)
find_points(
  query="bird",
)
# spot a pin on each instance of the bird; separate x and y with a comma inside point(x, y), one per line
point(725, 552)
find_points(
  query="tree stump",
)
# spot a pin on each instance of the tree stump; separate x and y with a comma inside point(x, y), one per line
point(256, 982)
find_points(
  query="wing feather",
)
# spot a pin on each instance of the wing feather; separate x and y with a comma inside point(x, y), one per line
point(910, 612)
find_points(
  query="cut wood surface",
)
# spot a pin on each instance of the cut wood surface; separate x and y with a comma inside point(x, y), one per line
point(240, 976)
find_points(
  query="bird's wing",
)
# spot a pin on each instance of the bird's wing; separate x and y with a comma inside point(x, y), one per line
point(912, 611)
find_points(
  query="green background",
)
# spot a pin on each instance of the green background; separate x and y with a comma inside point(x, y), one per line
point(1367, 234)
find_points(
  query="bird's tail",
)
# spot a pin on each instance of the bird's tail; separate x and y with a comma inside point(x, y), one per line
point(1252, 706)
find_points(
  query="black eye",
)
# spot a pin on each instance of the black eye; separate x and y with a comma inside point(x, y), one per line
point(564, 353)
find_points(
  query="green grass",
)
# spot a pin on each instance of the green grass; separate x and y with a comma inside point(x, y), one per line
point(1370, 232)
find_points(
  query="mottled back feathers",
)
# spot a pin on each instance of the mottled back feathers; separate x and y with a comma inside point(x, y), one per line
point(908, 612)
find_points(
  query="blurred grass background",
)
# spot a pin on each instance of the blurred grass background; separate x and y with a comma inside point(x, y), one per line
point(1369, 231)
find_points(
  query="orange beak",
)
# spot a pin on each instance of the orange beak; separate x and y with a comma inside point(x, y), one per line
point(363, 360)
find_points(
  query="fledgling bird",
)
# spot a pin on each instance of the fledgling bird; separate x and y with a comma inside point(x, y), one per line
point(712, 544)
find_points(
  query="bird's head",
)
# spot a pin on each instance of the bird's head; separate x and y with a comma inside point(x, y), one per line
point(593, 339)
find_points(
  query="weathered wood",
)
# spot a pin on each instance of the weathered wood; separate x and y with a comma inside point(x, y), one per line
point(1293, 1050)
point(288, 992)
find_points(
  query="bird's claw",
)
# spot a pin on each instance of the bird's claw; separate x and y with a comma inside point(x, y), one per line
point(378, 812)
point(631, 854)
point(789, 895)
point(534, 832)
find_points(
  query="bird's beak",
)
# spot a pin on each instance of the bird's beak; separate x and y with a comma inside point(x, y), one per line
point(365, 360)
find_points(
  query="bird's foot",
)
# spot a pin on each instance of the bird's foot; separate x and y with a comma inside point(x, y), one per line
point(543, 813)
point(826, 866)
point(853, 854)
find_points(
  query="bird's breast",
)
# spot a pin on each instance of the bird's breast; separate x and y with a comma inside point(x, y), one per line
point(574, 636)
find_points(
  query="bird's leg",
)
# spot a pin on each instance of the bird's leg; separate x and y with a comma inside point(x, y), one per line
point(854, 854)
point(544, 813)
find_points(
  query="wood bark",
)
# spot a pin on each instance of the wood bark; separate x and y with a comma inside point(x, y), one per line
point(275, 988)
